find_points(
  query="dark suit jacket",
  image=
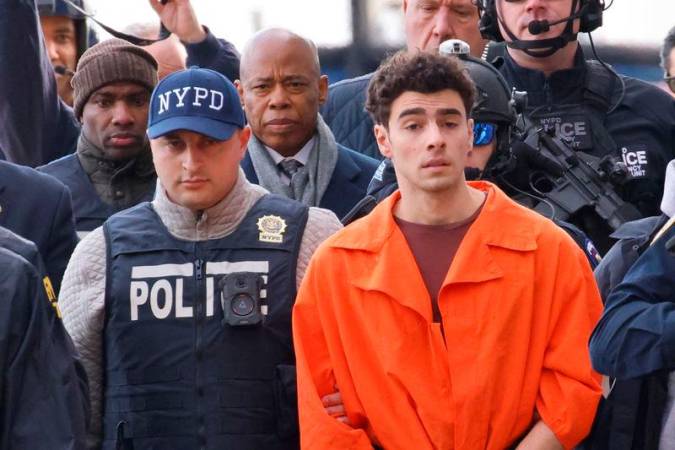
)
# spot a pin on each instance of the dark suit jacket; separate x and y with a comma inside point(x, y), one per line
point(348, 184)
point(37, 207)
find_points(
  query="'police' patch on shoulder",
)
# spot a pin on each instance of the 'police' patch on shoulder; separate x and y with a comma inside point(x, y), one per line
point(271, 229)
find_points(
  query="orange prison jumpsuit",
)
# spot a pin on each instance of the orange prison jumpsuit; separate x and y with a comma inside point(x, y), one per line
point(518, 306)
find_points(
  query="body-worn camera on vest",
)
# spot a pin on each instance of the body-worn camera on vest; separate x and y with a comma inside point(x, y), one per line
point(240, 299)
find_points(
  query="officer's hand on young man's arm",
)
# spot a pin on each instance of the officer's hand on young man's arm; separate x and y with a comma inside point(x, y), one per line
point(179, 17)
point(334, 407)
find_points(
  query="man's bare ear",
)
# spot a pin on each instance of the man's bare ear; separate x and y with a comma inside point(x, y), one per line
point(382, 139)
point(240, 90)
point(244, 136)
point(323, 89)
point(404, 6)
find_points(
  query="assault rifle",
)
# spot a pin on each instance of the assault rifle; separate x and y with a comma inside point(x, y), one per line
point(570, 180)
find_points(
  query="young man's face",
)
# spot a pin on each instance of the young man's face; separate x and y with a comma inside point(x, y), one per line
point(517, 15)
point(428, 139)
point(61, 41)
point(430, 22)
point(197, 171)
point(115, 117)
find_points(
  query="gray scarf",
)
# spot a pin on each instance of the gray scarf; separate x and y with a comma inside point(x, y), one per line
point(314, 177)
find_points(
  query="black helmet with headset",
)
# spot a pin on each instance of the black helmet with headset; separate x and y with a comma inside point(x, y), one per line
point(83, 34)
point(493, 103)
point(589, 14)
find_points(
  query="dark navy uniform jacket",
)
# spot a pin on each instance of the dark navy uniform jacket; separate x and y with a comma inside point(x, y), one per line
point(38, 208)
point(641, 125)
point(636, 334)
point(633, 238)
point(43, 391)
point(630, 417)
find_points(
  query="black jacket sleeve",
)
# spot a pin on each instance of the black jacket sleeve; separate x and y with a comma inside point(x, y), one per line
point(636, 333)
point(43, 390)
point(215, 54)
point(37, 126)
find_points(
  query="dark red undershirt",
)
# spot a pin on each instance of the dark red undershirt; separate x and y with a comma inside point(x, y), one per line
point(434, 247)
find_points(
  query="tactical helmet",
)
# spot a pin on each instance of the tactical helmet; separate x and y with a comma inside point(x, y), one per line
point(493, 102)
point(493, 97)
point(85, 37)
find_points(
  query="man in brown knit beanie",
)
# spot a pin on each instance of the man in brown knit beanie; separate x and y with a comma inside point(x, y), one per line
point(112, 168)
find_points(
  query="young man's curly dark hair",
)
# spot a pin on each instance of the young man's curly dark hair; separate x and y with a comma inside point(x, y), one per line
point(425, 73)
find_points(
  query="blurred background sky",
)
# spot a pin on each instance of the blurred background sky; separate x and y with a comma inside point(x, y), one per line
point(638, 26)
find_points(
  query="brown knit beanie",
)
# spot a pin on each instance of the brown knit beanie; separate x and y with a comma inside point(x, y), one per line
point(108, 62)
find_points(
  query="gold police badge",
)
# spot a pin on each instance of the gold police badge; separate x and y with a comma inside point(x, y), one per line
point(271, 229)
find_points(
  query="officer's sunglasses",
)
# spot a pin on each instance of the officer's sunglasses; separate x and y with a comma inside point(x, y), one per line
point(483, 133)
point(670, 81)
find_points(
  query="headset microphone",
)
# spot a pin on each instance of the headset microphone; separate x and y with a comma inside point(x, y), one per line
point(63, 70)
point(542, 26)
point(538, 26)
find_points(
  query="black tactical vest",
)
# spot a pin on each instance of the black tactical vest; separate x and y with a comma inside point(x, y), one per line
point(177, 376)
point(582, 125)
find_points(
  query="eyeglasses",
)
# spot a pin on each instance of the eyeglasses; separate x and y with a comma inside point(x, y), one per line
point(483, 133)
point(670, 81)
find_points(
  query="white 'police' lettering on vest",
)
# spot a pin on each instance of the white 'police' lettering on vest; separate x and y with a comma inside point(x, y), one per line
point(159, 289)
point(635, 158)
point(576, 129)
point(193, 95)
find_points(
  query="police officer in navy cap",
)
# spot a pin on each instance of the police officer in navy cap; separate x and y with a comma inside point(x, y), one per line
point(181, 307)
point(43, 387)
point(586, 102)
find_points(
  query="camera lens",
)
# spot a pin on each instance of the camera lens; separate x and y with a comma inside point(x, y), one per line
point(242, 305)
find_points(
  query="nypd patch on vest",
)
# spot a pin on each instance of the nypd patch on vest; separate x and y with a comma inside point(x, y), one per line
point(271, 229)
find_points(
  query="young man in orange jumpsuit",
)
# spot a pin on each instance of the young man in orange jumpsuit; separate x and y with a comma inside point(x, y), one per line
point(450, 317)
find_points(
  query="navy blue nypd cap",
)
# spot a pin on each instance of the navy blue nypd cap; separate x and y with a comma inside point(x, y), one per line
point(195, 99)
